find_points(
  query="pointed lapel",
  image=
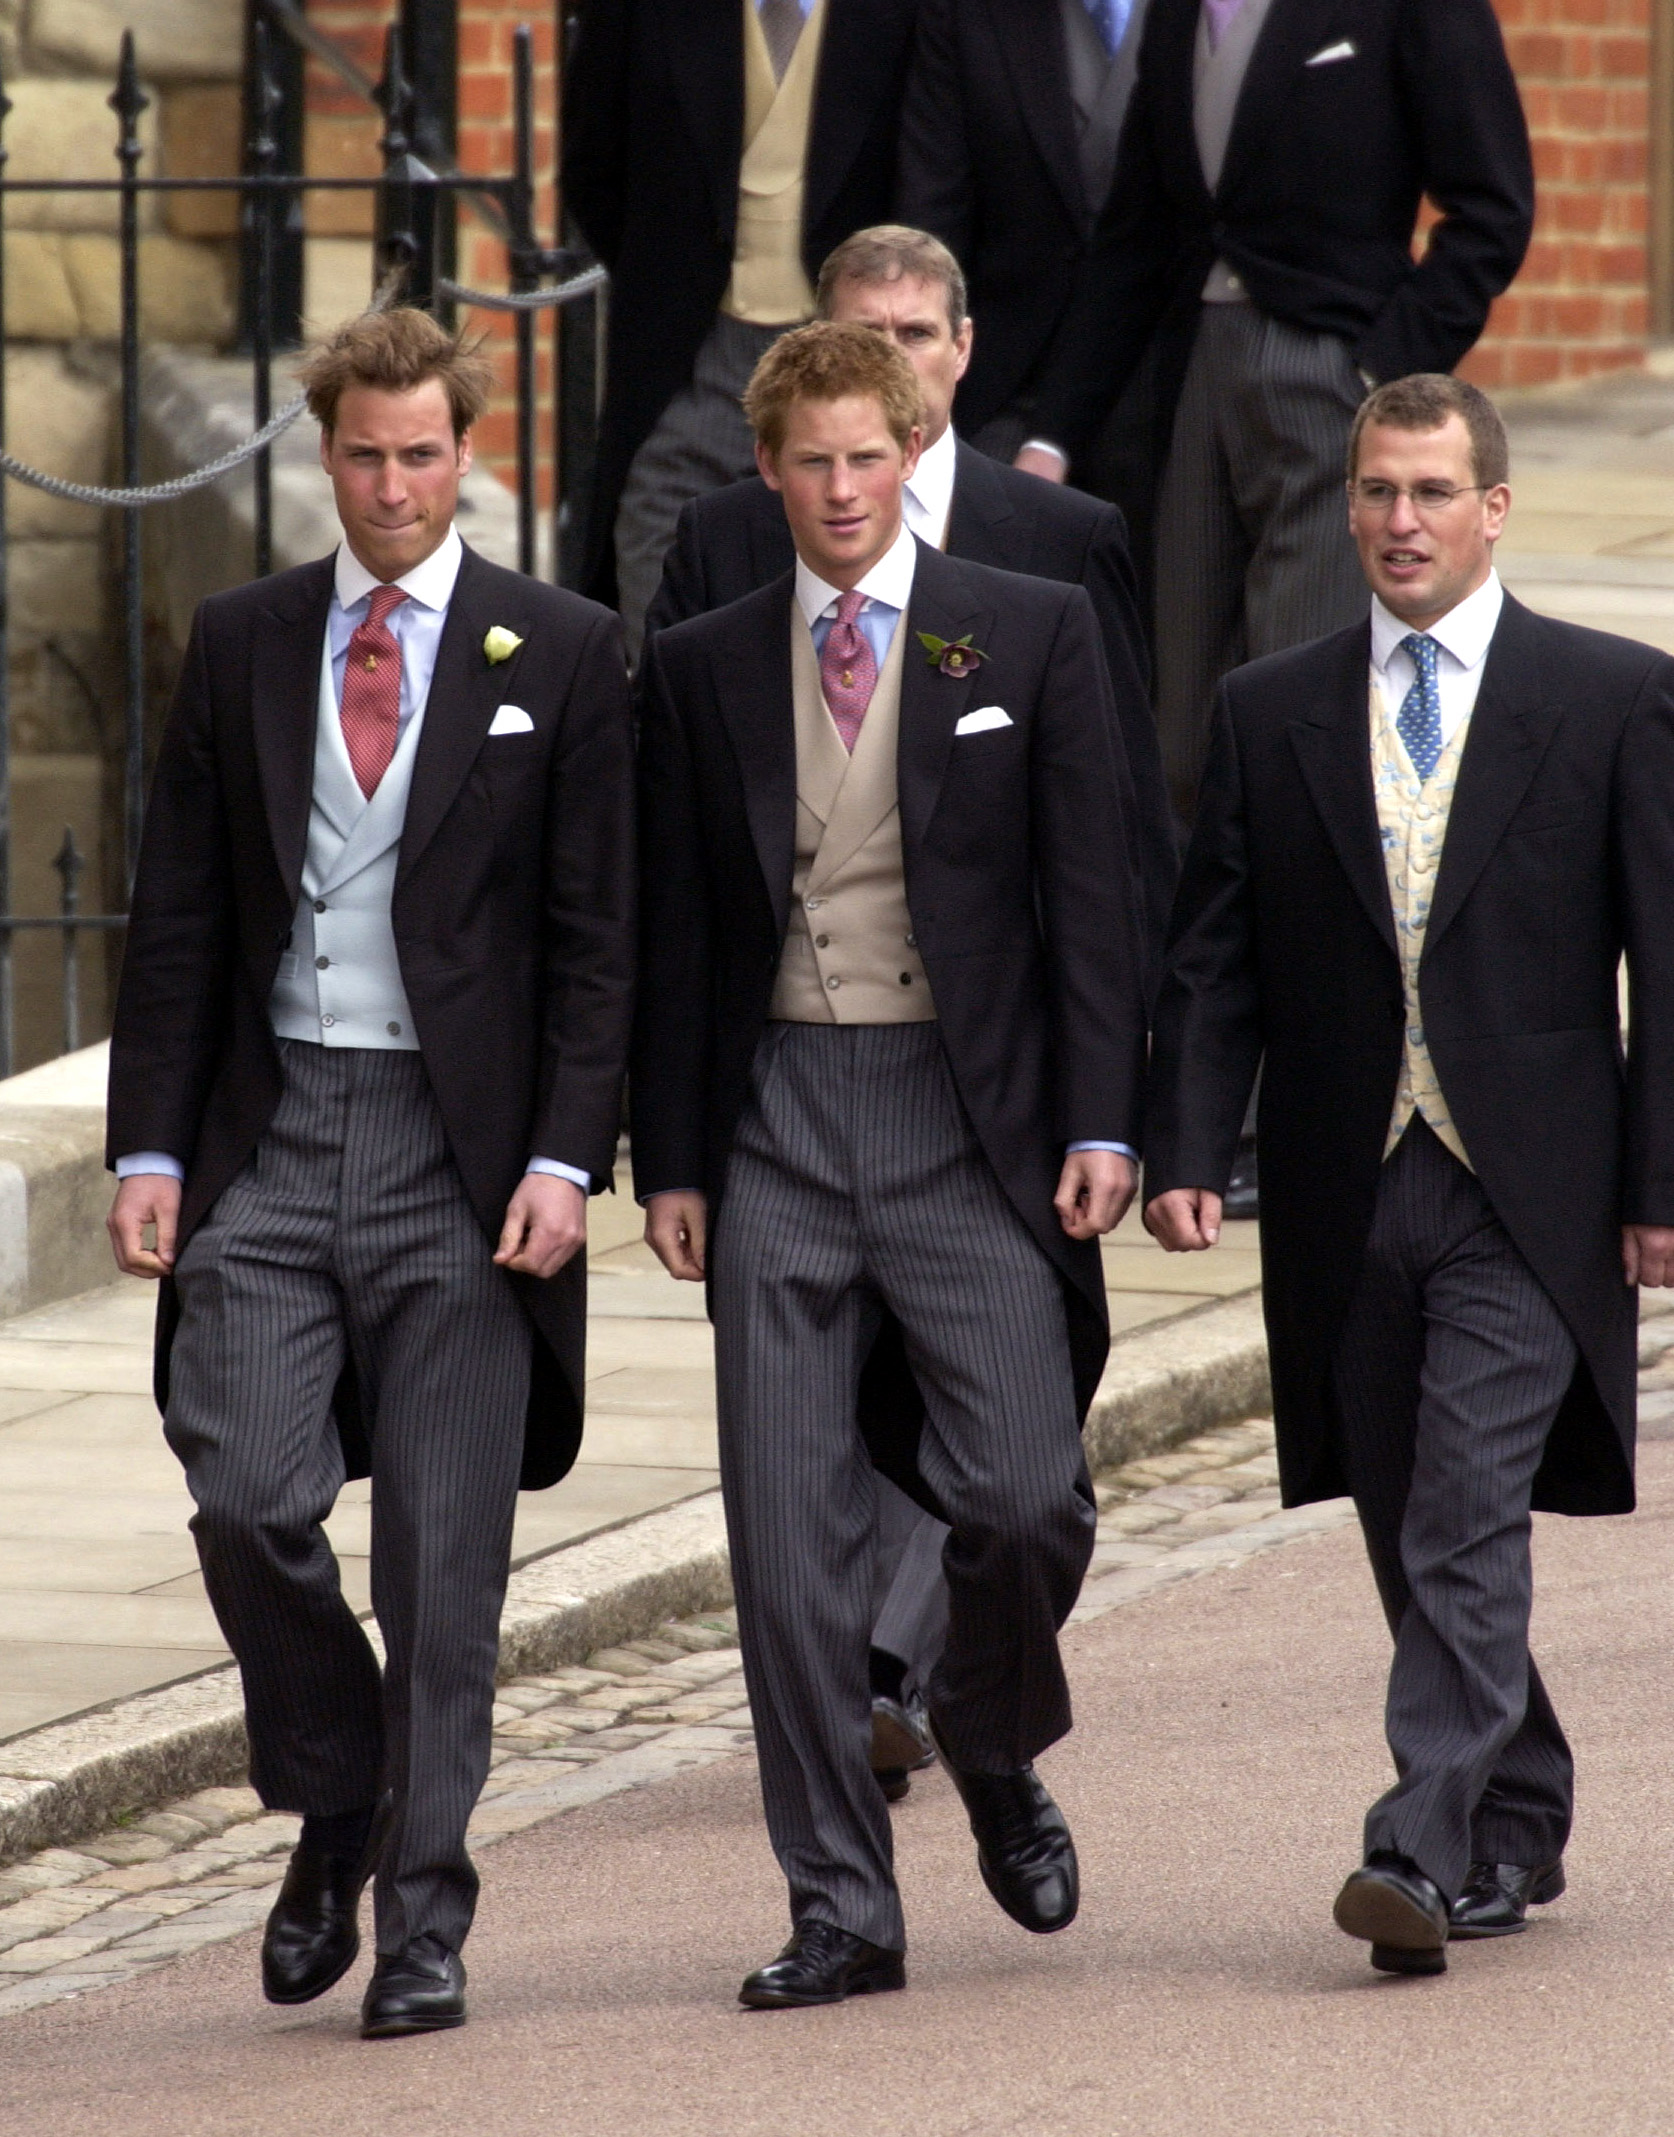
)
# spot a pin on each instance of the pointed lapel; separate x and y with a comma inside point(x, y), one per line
point(981, 524)
point(704, 42)
point(756, 707)
point(1333, 747)
point(1294, 30)
point(465, 690)
point(1031, 35)
point(286, 644)
point(1510, 727)
point(932, 703)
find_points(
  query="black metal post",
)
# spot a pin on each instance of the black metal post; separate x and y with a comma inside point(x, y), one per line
point(5, 664)
point(274, 103)
point(128, 102)
point(261, 153)
point(407, 199)
point(525, 264)
point(580, 330)
point(69, 863)
point(430, 44)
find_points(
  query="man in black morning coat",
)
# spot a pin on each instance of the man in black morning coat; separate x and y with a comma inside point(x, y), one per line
point(1422, 852)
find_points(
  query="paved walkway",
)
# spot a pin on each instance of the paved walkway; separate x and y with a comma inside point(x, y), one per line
point(100, 1594)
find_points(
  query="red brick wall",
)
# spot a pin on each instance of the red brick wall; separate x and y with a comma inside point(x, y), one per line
point(1582, 301)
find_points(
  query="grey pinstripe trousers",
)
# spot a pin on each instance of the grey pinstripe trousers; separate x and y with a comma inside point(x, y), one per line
point(1253, 547)
point(347, 1241)
point(1451, 1368)
point(856, 1182)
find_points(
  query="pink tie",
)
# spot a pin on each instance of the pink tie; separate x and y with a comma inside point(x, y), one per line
point(370, 708)
point(848, 671)
point(1220, 15)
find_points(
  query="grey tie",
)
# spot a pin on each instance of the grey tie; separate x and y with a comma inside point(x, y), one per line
point(781, 22)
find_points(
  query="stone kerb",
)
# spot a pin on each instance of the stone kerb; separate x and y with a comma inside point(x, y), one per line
point(53, 1186)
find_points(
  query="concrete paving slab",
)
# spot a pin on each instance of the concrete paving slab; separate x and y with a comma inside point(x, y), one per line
point(44, 1681)
point(86, 1368)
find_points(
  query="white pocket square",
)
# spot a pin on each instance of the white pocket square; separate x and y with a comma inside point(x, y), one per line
point(978, 723)
point(1345, 48)
point(511, 720)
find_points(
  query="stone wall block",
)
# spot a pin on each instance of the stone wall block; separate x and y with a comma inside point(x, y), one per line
point(186, 288)
point(60, 422)
point(174, 40)
point(201, 127)
point(40, 303)
point(66, 129)
point(58, 587)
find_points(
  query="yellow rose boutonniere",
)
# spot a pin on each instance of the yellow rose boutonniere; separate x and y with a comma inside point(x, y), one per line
point(500, 644)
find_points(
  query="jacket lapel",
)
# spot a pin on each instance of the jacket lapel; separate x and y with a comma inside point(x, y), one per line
point(704, 43)
point(932, 703)
point(1510, 728)
point(1031, 35)
point(758, 711)
point(1294, 29)
point(286, 648)
point(1334, 749)
point(982, 523)
point(465, 690)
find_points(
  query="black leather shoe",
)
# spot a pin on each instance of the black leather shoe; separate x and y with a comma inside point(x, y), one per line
point(420, 1989)
point(900, 1736)
point(1498, 1895)
point(895, 1781)
point(1243, 1191)
point(1024, 1849)
point(312, 1934)
point(1400, 1912)
point(822, 1964)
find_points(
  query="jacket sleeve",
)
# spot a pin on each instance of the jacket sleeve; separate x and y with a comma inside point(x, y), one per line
point(682, 591)
point(669, 1082)
point(1644, 814)
point(177, 970)
point(597, 80)
point(1206, 1040)
point(1088, 909)
point(935, 181)
point(1475, 164)
point(588, 938)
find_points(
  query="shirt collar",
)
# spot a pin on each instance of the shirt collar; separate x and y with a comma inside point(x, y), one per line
point(429, 583)
point(889, 582)
point(931, 483)
point(1465, 631)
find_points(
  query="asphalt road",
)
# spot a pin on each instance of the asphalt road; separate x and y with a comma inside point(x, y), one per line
point(1228, 1741)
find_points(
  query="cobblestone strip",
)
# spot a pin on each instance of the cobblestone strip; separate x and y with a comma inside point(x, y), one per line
point(208, 1867)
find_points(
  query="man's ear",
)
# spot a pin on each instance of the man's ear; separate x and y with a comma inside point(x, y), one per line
point(767, 467)
point(464, 453)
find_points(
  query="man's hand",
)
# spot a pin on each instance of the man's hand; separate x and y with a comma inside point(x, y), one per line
point(675, 1224)
point(546, 1223)
point(1648, 1254)
point(1034, 460)
point(1094, 1190)
point(1185, 1220)
point(141, 1199)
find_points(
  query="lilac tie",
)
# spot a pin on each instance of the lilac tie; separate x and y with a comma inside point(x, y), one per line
point(848, 670)
point(1220, 16)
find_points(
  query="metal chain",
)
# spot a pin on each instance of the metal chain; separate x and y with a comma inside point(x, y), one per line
point(533, 300)
point(157, 493)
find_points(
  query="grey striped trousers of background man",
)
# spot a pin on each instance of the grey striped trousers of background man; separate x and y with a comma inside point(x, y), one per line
point(1450, 1371)
point(347, 1241)
point(1253, 548)
point(856, 1183)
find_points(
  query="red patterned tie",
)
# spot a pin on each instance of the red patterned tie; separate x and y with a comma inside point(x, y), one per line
point(371, 702)
point(848, 671)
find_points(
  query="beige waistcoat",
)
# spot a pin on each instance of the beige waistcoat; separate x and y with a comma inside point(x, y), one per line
point(1413, 823)
point(769, 285)
point(849, 955)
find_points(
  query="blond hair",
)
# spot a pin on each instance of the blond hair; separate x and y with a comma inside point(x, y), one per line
point(831, 362)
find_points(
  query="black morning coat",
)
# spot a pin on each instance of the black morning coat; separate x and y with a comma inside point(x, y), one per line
point(1328, 161)
point(1030, 940)
point(653, 139)
point(1559, 859)
point(513, 913)
point(733, 540)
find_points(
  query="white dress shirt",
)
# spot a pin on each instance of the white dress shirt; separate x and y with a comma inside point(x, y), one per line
point(417, 626)
point(927, 503)
point(1464, 635)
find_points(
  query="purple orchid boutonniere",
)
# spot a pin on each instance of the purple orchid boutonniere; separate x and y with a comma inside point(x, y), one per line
point(956, 657)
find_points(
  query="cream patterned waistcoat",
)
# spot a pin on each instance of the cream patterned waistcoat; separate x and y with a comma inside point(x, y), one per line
point(1412, 821)
point(849, 954)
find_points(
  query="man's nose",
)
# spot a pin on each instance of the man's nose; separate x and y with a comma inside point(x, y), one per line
point(1403, 515)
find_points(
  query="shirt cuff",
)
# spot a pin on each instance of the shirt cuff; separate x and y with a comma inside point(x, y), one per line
point(1044, 445)
point(150, 1161)
point(554, 1171)
point(1122, 1150)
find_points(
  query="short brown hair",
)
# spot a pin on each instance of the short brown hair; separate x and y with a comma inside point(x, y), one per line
point(397, 351)
point(891, 252)
point(1425, 401)
point(829, 361)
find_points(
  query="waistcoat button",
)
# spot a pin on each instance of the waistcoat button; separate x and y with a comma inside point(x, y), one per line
point(322, 964)
point(834, 983)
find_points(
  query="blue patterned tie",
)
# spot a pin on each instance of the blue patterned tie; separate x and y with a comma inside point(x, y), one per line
point(1418, 723)
point(1110, 19)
